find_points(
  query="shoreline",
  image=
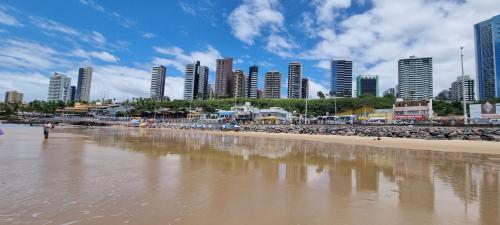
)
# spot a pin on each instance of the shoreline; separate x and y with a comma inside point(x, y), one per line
point(459, 146)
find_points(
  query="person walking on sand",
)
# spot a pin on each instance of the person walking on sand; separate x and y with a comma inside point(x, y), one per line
point(46, 129)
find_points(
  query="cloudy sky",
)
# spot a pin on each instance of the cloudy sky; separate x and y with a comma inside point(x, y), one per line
point(122, 41)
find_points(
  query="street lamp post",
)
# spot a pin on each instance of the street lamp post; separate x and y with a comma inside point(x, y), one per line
point(305, 119)
point(463, 86)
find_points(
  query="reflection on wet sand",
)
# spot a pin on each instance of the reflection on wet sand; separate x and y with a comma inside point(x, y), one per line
point(183, 177)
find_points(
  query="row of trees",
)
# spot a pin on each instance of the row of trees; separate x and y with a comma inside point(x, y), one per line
point(315, 107)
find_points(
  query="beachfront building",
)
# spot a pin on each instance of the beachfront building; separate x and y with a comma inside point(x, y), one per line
point(158, 76)
point(239, 85)
point(295, 80)
point(224, 78)
point(84, 84)
point(415, 78)
point(341, 78)
point(487, 45)
point(203, 91)
point(273, 115)
point(253, 79)
point(190, 81)
point(367, 85)
point(13, 97)
point(457, 89)
point(412, 111)
point(59, 85)
point(244, 113)
point(272, 84)
point(305, 88)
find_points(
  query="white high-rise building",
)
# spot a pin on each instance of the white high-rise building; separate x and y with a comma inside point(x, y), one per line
point(295, 80)
point(84, 84)
point(59, 87)
point(158, 77)
point(457, 89)
point(415, 78)
point(190, 79)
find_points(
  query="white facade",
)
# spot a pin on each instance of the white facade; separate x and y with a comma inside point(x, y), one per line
point(457, 89)
point(59, 88)
point(189, 81)
point(84, 84)
point(158, 77)
point(415, 78)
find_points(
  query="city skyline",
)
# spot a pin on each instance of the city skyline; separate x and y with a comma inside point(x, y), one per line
point(122, 48)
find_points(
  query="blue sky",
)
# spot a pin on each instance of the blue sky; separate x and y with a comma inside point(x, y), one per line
point(122, 40)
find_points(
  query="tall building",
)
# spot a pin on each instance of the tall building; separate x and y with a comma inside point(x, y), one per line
point(210, 91)
point(71, 94)
point(341, 78)
point(84, 84)
point(415, 78)
point(367, 85)
point(391, 92)
point(305, 88)
point(487, 43)
point(203, 83)
point(253, 79)
point(196, 81)
point(191, 81)
point(272, 84)
point(295, 80)
point(457, 89)
point(59, 87)
point(158, 76)
point(224, 78)
point(13, 97)
point(239, 84)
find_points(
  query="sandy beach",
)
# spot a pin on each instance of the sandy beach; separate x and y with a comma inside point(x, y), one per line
point(481, 147)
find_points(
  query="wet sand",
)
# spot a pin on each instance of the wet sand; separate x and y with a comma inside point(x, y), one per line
point(145, 176)
point(482, 147)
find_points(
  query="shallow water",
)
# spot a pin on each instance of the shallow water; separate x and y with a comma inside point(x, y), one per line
point(141, 176)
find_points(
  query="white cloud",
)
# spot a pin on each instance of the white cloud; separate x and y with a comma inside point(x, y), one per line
point(53, 26)
point(120, 82)
point(314, 88)
point(391, 30)
point(178, 58)
point(121, 20)
point(21, 54)
point(174, 87)
point(101, 55)
point(33, 85)
point(325, 9)
point(187, 8)
point(249, 18)
point(148, 35)
point(7, 19)
point(280, 46)
point(92, 4)
point(98, 37)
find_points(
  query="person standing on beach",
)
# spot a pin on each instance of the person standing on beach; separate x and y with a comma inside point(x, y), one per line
point(46, 129)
